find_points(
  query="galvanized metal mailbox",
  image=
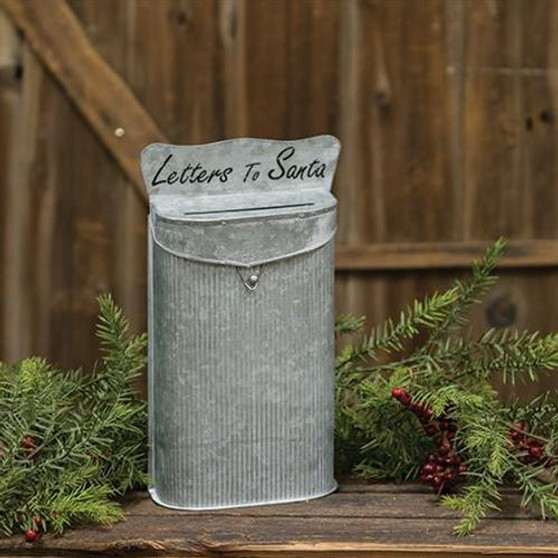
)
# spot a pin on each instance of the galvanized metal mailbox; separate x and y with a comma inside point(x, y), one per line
point(241, 343)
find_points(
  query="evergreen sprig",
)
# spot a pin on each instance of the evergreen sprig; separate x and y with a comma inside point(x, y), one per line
point(70, 441)
point(390, 336)
point(451, 372)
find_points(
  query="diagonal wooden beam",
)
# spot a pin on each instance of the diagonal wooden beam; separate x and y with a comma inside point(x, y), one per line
point(101, 95)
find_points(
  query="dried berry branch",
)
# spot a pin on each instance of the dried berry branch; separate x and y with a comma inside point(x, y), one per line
point(459, 437)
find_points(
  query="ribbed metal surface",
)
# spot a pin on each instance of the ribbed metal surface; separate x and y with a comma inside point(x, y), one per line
point(241, 382)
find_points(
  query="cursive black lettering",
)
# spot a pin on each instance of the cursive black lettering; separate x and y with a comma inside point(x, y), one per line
point(155, 181)
point(249, 168)
point(184, 173)
point(317, 169)
point(283, 155)
point(172, 178)
point(295, 171)
point(225, 174)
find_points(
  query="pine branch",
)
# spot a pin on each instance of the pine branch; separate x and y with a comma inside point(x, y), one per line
point(70, 441)
point(389, 337)
point(474, 503)
point(450, 376)
point(470, 292)
point(544, 494)
point(516, 355)
point(346, 324)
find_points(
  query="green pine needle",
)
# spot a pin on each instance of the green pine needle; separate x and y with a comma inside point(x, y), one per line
point(451, 372)
point(70, 442)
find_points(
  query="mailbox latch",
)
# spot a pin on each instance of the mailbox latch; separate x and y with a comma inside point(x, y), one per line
point(250, 277)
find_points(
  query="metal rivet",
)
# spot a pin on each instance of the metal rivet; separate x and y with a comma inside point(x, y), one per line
point(119, 132)
point(252, 280)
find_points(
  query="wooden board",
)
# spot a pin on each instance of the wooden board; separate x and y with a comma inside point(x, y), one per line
point(110, 107)
point(443, 255)
point(446, 110)
point(359, 520)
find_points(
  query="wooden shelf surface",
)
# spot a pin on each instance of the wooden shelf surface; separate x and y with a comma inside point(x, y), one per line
point(372, 520)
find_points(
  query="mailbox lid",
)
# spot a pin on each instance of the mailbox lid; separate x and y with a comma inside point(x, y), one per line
point(245, 234)
point(242, 207)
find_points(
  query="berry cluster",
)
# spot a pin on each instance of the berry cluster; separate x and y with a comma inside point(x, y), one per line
point(529, 450)
point(442, 471)
point(444, 466)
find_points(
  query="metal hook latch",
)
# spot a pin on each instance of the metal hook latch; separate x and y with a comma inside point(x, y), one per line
point(250, 277)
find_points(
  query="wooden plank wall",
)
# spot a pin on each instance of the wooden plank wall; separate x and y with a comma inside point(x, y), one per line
point(446, 109)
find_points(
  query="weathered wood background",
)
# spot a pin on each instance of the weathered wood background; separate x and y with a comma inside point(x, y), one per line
point(446, 110)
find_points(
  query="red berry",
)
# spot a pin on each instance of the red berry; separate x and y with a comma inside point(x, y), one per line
point(444, 449)
point(401, 395)
point(438, 481)
point(28, 442)
point(536, 452)
point(428, 468)
point(38, 521)
point(520, 426)
point(515, 435)
point(31, 535)
point(405, 399)
point(462, 468)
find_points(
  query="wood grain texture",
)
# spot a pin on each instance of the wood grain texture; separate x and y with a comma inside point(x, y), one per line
point(22, 153)
point(112, 27)
point(54, 33)
point(10, 47)
point(441, 255)
point(446, 110)
point(358, 521)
